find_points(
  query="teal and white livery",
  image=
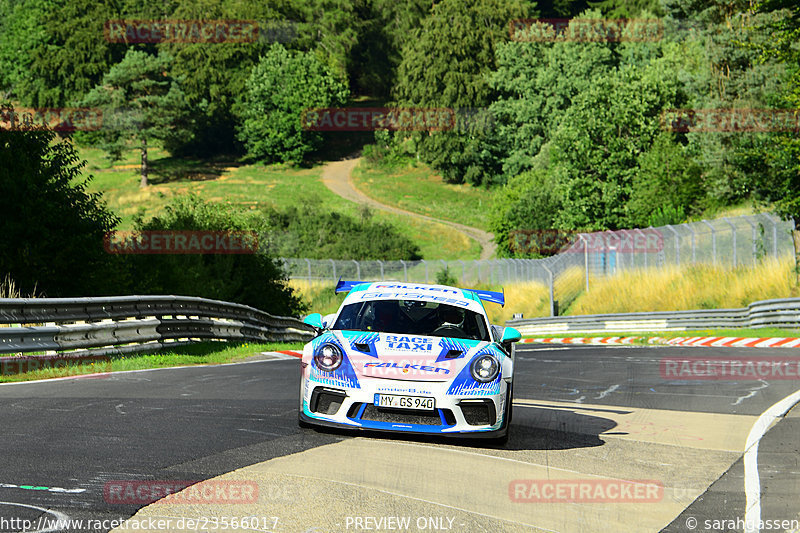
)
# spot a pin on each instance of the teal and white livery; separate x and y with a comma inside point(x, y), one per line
point(409, 357)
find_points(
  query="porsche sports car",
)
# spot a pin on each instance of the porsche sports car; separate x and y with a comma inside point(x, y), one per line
point(409, 357)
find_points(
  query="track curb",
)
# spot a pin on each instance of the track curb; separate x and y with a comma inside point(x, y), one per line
point(714, 342)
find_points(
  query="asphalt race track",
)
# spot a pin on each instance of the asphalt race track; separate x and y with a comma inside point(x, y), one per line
point(592, 416)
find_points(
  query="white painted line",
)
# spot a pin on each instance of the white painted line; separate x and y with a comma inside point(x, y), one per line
point(59, 522)
point(752, 482)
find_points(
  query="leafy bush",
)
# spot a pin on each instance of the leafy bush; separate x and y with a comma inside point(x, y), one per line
point(445, 277)
point(315, 232)
point(256, 279)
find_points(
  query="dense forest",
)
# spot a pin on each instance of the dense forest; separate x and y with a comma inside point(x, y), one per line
point(570, 124)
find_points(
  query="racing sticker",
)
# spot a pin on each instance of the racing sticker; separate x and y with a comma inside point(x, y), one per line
point(465, 385)
point(344, 376)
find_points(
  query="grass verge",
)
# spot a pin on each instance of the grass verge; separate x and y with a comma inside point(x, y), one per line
point(249, 186)
point(202, 353)
point(420, 189)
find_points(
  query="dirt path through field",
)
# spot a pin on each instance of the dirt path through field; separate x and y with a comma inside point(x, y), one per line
point(336, 176)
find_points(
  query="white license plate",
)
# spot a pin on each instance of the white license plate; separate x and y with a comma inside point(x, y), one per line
point(405, 402)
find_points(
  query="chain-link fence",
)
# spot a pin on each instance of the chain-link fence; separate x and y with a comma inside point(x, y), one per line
point(730, 241)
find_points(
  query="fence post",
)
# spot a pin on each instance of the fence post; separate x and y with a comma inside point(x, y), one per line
point(308, 262)
point(582, 238)
point(463, 267)
point(552, 302)
point(405, 270)
point(754, 238)
point(694, 243)
point(733, 232)
point(358, 269)
point(644, 253)
point(774, 237)
point(333, 263)
point(713, 240)
point(426, 269)
point(381, 264)
point(677, 245)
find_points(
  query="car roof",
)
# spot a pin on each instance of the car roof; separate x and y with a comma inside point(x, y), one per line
point(394, 290)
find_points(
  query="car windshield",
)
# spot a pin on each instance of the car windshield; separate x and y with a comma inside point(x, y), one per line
point(413, 317)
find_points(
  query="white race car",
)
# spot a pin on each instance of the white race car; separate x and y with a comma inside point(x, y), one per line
point(411, 358)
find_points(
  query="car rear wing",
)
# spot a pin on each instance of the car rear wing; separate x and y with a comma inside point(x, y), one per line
point(486, 296)
point(346, 286)
point(490, 296)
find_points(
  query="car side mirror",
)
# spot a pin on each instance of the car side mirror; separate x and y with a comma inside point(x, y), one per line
point(315, 321)
point(510, 335)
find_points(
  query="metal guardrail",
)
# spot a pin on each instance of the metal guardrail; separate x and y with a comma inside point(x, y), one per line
point(78, 327)
point(781, 313)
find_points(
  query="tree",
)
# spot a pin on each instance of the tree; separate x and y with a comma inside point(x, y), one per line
point(214, 74)
point(141, 101)
point(445, 64)
point(523, 209)
point(54, 50)
point(52, 229)
point(596, 148)
point(668, 181)
point(281, 88)
point(783, 33)
point(536, 82)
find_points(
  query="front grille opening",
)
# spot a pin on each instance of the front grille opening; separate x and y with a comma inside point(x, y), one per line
point(449, 417)
point(353, 411)
point(401, 416)
point(327, 401)
point(478, 412)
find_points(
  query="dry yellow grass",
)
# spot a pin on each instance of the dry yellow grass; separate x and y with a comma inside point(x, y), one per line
point(667, 289)
point(693, 287)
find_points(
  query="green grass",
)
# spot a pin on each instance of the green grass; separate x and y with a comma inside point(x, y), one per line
point(420, 190)
point(203, 353)
point(248, 186)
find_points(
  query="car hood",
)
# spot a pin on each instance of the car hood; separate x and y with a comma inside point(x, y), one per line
point(407, 357)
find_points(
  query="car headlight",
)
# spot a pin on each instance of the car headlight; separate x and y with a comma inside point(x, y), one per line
point(328, 357)
point(485, 368)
